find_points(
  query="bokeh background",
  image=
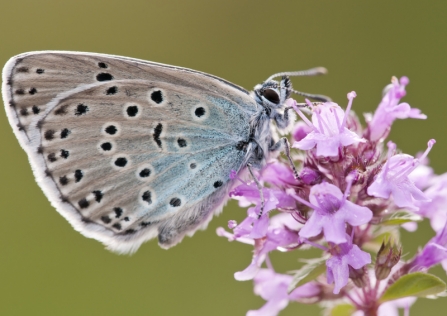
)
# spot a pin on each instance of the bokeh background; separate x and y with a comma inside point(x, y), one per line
point(46, 268)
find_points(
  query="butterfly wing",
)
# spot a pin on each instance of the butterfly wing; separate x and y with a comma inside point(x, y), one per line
point(127, 149)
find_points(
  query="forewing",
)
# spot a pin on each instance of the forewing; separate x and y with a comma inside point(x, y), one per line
point(126, 149)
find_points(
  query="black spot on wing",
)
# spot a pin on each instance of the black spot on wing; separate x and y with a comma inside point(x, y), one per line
point(65, 153)
point(106, 146)
point(98, 195)
point(217, 184)
point(118, 212)
point(106, 219)
point(40, 71)
point(111, 130)
point(181, 142)
point(102, 65)
point(52, 157)
point(32, 91)
point(81, 109)
point(117, 226)
point(112, 90)
point(147, 197)
point(157, 96)
point(157, 132)
point(78, 175)
point(199, 112)
point(104, 77)
point(83, 203)
point(22, 69)
point(24, 111)
point(175, 202)
point(121, 162)
point(145, 173)
point(63, 180)
point(65, 132)
point(35, 109)
point(132, 110)
point(49, 134)
point(62, 110)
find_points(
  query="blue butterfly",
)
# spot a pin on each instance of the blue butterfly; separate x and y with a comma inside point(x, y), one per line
point(127, 150)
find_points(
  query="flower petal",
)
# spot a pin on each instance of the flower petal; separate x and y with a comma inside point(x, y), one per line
point(354, 214)
point(335, 229)
point(313, 226)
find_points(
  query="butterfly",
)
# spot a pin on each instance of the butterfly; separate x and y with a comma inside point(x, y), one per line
point(127, 149)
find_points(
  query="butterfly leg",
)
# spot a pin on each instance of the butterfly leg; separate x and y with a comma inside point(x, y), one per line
point(282, 120)
point(261, 192)
point(283, 144)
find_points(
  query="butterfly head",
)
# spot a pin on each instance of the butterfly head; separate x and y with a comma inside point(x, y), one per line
point(272, 94)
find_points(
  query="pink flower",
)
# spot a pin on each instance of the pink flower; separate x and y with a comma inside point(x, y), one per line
point(393, 179)
point(423, 176)
point(272, 287)
point(332, 211)
point(281, 233)
point(329, 129)
point(276, 237)
point(260, 232)
point(435, 209)
point(433, 253)
point(389, 110)
point(278, 174)
point(343, 256)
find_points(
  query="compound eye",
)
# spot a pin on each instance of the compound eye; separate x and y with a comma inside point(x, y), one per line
point(271, 95)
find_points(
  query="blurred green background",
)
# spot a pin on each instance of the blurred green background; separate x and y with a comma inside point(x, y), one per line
point(46, 268)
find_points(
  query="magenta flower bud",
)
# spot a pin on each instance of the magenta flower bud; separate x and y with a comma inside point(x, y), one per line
point(232, 224)
point(359, 276)
point(301, 130)
point(310, 176)
point(388, 256)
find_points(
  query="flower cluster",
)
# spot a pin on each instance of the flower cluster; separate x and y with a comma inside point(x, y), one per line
point(352, 195)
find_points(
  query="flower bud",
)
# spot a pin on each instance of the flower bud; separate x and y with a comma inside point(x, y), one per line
point(301, 130)
point(310, 176)
point(387, 257)
point(359, 276)
point(232, 224)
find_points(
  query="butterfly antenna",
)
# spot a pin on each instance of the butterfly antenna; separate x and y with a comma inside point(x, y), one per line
point(302, 73)
point(318, 97)
point(305, 73)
